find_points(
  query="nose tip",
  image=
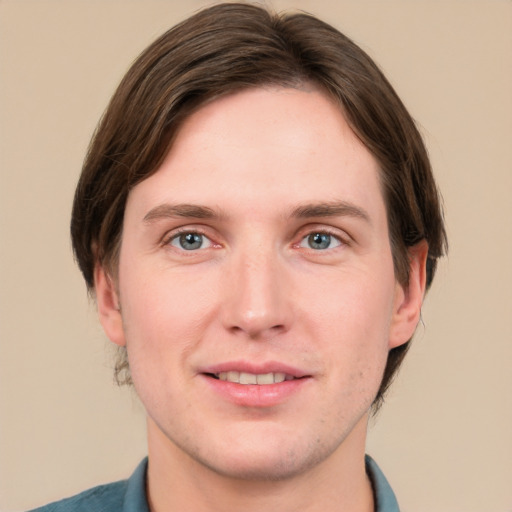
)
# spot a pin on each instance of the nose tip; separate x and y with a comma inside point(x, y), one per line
point(257, 325)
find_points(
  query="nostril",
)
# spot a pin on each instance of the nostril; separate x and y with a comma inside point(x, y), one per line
point(255, 330)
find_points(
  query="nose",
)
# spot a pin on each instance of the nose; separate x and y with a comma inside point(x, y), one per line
point(258, 295)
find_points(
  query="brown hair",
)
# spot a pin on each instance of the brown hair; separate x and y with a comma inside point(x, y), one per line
point(226, 48)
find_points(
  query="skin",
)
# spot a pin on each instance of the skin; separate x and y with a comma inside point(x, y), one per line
point(274, 172)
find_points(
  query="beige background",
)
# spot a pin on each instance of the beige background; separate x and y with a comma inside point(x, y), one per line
point(444, 438)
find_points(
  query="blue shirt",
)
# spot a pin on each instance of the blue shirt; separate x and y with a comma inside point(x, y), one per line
point(130, 495)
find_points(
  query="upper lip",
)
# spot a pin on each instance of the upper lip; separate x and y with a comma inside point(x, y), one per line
point(255, 369)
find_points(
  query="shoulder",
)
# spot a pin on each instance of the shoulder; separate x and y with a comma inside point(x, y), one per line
point(104, 498)
point(123, 496)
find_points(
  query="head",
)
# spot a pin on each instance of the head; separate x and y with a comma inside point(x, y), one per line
point(222, 51)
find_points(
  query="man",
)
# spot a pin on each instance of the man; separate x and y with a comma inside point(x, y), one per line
point(258, 221)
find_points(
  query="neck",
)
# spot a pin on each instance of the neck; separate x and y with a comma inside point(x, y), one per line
point(178, 482)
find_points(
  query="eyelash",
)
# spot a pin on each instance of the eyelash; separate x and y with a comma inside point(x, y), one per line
point(322, 232)
point(175, 235)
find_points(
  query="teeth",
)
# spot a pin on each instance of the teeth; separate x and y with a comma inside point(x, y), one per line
point(281, 377)
point(251, 378)
point(232, 376)
point(248, 378)
point(266, 378)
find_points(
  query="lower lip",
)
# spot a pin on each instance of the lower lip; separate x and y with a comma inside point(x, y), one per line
point(254, 395)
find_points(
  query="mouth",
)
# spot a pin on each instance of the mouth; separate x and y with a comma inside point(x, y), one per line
point(260, 386)
point(246, 378)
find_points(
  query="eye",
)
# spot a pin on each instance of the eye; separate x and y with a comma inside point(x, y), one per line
point(320, 241)
point(190, 241)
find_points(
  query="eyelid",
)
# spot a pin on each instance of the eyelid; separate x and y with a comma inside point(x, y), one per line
point(304, 242)
point(175, 233)
point(176, 241)
point(342, 236)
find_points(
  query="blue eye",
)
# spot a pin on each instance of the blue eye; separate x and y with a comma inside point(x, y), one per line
point(320, 241)
point(190, 241)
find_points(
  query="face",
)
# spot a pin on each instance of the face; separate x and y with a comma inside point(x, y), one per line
point(256, 287)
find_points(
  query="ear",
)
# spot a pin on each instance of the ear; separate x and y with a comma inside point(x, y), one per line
point(409, 298)
point(109, 309)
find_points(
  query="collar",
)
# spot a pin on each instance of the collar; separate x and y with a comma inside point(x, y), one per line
point(385, 499)
point(135, 498)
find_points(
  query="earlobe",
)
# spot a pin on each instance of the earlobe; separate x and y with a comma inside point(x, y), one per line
point(109, 310)
point(408, 300)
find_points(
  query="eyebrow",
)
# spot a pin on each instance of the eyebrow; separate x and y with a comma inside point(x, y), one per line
point(331, 209)
point(172, 211)
point(306, 211)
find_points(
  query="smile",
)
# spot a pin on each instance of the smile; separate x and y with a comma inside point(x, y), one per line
point(252, 385)
point(252, 378)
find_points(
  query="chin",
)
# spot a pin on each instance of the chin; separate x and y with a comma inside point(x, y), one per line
point(264, 461)
point(257, 470)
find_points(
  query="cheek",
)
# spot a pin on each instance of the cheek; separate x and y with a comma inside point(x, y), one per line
point(163, 312)
point(356, 305)
point(161, 329)
point(352, 319)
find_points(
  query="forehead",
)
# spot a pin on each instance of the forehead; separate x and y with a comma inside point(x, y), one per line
point(277, 146)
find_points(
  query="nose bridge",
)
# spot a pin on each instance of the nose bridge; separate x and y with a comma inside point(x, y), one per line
point(257, 303)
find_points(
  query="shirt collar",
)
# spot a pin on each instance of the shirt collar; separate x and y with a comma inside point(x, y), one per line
point(385, 500)
point(135, 498)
